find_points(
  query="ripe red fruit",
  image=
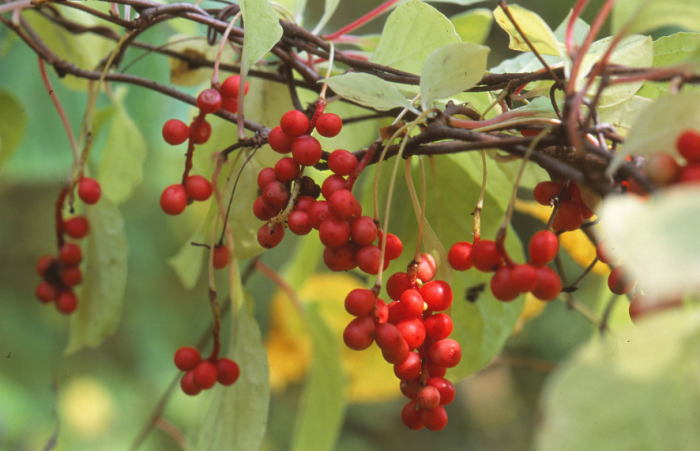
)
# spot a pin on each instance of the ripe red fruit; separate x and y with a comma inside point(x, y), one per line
point(394, 246)
point(688, 145)
point(397, 355)
point(410, 415)
point(294, 123)
point(286, 170)
point(501, 287)
point(270, 236)
point(543, 247)
point(342, 204)
point(71, 276)
point(410, 388)
point(359, 302)
point(363, 231)
point(618, 282)
point(460, 256)
point(276, 195)
point(198, 188)
point(221, 257)
point(66, 302)
point(280, 141)
point(43, 264)
point(228, 371)
point(229, 104)
point(173, 201)
point(175, 132)
point(76, 227)
point(662, 169)
point(411, 303)
point(230, 86)
point(187, 358)
point(205, 375)
point(334, 232)
point(548, 284)
point(340, 258)
point(523, 278)
point(329, 125)
point(690, 173)
point(434, 419)
point(438, 326)
point(46, 292)
point(570, 216)
point(485, 256)
point(427, 268)
point(341, 162)
point(209, 101)
point(71, 254)
point(265, 176)
point(388, 337)
point(368, 257)
point(409, 368)
point(358, 335)
point(428, 397)
point(89, 190)
point(413, 332)
point(304, 203)
point(397, 284)
point(306, 150)
point(188, 385)
point(544, 192)
point(318, 212)
point(331, 184)
point(445, 387)
point(298, 223)
point(436, 370)
point(262, 211)
point(603, 253)
point(437, 294)
point(203, 132)
point(445, 353)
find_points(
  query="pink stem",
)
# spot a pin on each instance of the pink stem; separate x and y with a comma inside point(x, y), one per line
point(578, 9)
point(15, 5)
point(362, 20)
point(59, 107)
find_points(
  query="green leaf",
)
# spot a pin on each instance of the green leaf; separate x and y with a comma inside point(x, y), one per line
point(676, 49)
point(296, 7)
point(656, 14)
point(181, 73)
point(654, 238)
point(328, 10)
point(307, 255)
point(13, 121)
point(262, 31)
point(534, 28)
point(411, 33)
point(322, 407)
point(623, 115)
point(101, 297)
point(452, 69)
point(581, 29)
point(473, 25)
point(637, 391)
point(660, 124)
point(456, 2)
point(368, 90)
point(189, 260)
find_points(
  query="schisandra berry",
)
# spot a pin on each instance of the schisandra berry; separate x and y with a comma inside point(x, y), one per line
point(46, 292)
point(270, 236)
point(230, 87)
point(44, 263)
point(428, 397)
point(368, 258)
point(438, 326)
point(89, 190)
point(413, 332)
point(304, 203)
point(618, 282)
point(359, 302)
point(173, 201)
point(445, 353)
point(275, 194)
point(187, 358)
point(570, 216)
point(445, 387)
point(485, 256)
point(66, 302)
point(501, 287)
point(548, 284)
point(306, 150)
point(410, 388)
point(397, 355)
point(460, 256)
point(342, 204)
point(205, 375)
point(363, 231)
point(280, 141)
point(603, 253)
point(437, 294)
point(71, 254)
point(340, 258)
point(286, 170)
point(523, 278)
point(435, 370)
point(334, 232)
point(76, 227)
point(411, 303)
point(188, 385)
point(358, 335)
point(544, 192)
point(329, 125)
point(396, 313)
point(690, 173)
point(408, 369)
point(688, 145)
point(332, 184)
point(265, 176)
point(427, 268)
point(294, 123)
point(71, 276)
point(397, 284)
point(221, 257)
point(198, 187)
point(388, 337)
point(394, 246)
point(318, 212)
point(410, 415)
point(228, 371)
point(543, 247)
point(229, 104)
point(662, 169)
point(434, 419)
point(175, 132)
point(209, 101)
point(342, 162)
point(381, 312)
point(298, 223)
point(262, 211)
point(202, 133)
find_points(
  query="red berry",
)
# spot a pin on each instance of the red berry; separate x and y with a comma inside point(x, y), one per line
point(409, 368)
point(270, 236)
point(690, 173)
point(460, 256)
point(229, 104)
point(428, 397)
point(221, 257)
point(501, 287)
point(340, 258)
point(46, 292)
point(228, 371)
point(368, 257)
point(548, 284)
point(76, 227)
point(318, 212)
point(89, 190)
point(427, 268)
point(359, 302)
point(342, 162)
point(342, 204)
point(485, 256)
point(205, 375)
point(209, 101)
point(438, 326)
point(266, 176)
point(44, 263)
point(445, 387)
point(173, 201)
point(688, 145)
point(66, 302)
point(662, 169)
point(188, 385)
point(437, 294)
point(71, 276)
point(381, 312)
point(544, 192)
point(332, 184)
point(187, 358)
point(544, 246)
point(413, 331)
point(198, 188)
point(334, 232)
point(304, 203)
point(618, 282)
point(396, 313)
point(286, 170)
point(279, 141)
point(411, 303)
point(329, 125)
point(434, 419)
point(570, 216)
point(276, 195)
point(358, 334)
point(388, 337)
point(203, 132)
point(410, 388)
point(410, 415)
point(357, 211)
point(230, 86)
point(445, 353)
point(294, 123)
point(175, 132)
point(394, 246)
point(397, 355)
point(363, 231)
point(603, 253)
point(262, 211)
point(306, 150)
point(71, 254)
point(523, 278)
point(436, 370)
point(298, 223)
point(397, 284)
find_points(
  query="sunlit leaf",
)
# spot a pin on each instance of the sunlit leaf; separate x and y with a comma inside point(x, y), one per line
point(13, 121)
point(534, 28)
point(262, 31)
point(473, 25)
point(623, 115)
point(654, 14)
point(368, 90)
point(328, 10)
point(677, 48)
point(451, 69)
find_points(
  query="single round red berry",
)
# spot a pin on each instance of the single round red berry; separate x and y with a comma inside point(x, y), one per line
point(209, 101)
point(66, 302)
point(358, 335)
point(294, 123)
point(298, 223)
point(501, 287)
point(202, 134)
point(618, 282)
point(89, 190)
point(410, 415)
point(342, 204)
point(44, 263)
point(359, 302)
point(690, 173)
point(368, 258)
point(397, 355)
point(334, 232)
point(485, 256)
point(280, 141)
point(262, 211)
point(410, 388)
point(229, 104)
point(265, 176)
point(342, 162)
point(286, 170)
point(205, 375)
point(76, 227)
point(71, 276)
point(276, 195)
point(306, 150)
point(409, 368)
point(570, 216)
point(228, 371)
point(397, 284)
point(603, 253)
point(221, 257)
point(445, 387)
point(331, 184)
point(428, 397)
point(437, 294)
point(388, 337)
point(340, 258)
point(198, 188)
point(270, 236)
point(412, 303)
point(460, 256)
point(304, 203)
point(230, 86)
point(187, 358)
point(188, 385)
point(413, 331)
point(329, 125)
point(543, 247)
point(436, 370)
point(427, 268)
point(438, 326)
point(445, 353)
point(688, 145)
point(71, 254)
point(434, 419)
point(662, 169)
point(363, 231)
point(544, 192)
point(548, 284)
point(523, 278)
point(46, 292)
point(318, 212)
point(173, 201)
point(394, 246)
point(175, 132)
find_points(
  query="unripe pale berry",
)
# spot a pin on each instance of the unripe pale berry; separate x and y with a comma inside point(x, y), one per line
point(437, 294)
point(445, 353)
point(427, 268)
point(228, 371)
point(89, 190)
point(294, 123)
point(175, 132)
point(187, 358)
point(173, 201)
point(329, 125)
point(270, 236)
point(198, 188)
point(76, 227)
point(205, 375)
point(209, 101)
point(221, 257)
point(342, 162)
point(460, 256)
point(485, 256)
point(298, 223)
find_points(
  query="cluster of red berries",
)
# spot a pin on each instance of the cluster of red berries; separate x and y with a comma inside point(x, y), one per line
point(572, 209)
point(510, 279)
point(60, 274)
point(175, 198)
point(203, 374)
point(413, 338)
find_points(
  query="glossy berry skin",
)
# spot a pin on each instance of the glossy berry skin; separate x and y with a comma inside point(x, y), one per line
point(413, 332)
point(434, 419)
point(306, 150)
point(280, 141)
point(410, 388)
point(230, 87)
point(501, 287)
point(341, 162)
point(409, 368)
point(394, 246)
point(368, 258)
point(485, 256)
point(175, 132)
point(332, 184)
point(428, 397)
point(298, 223)
point(543, 247)
point(318, 212)
point(445, 387)
point(411, 303)
point(76, 227)
point(270, 236)
point(388, 337)
point(438, 326)
point(276, 195)
point(202, 134)
point(618, 282)
point(329, 125)
point(71, 254)
point(209, 101)
point(43, 264)
point(427, 268)
point(294, 123)
point(286, 170)
point(66, 302)
point(437, 294)
point(221, 257)
point(304, 203)
point(205, 375)
point(460, 256)
point(523, 278)
point(71, 276)
point(381, 312)
point(173, 201)
point(187, 358)
point(229, 104)
point(228, 371)
point(445, 353)
point(340, 258)
point(265, 176)
point(688, 145)
point(198, 188)
point(46, 292)
point(188, 385)
point(662, 169)
point(690, 173)
point(544, 192)
point(363, 231)
point(436, 370)
point(359, 302)
point(342, 204)
point(397, 284)
point(358, 334)
point(262, 211)
point(396, 313)
point(603, 253)
point(548, 284)
point(334, 232)
point(89, 190)
point(398, 355)
point(570, 216)
point(410, 415)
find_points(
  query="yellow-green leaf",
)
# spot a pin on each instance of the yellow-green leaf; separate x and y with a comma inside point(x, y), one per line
point(368, 90)
point(654, 14)
point(473, 25)
point(13, 121)
point(262, 31)
point(534, 28)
